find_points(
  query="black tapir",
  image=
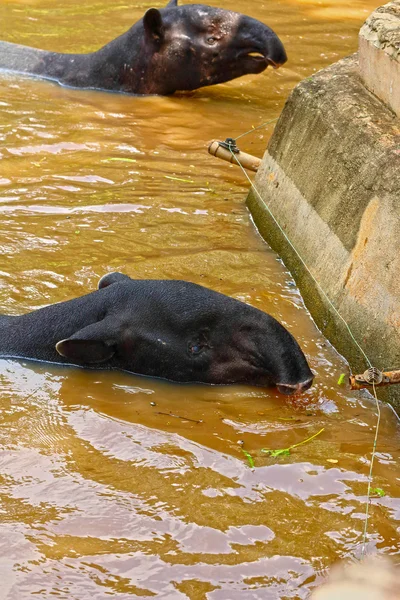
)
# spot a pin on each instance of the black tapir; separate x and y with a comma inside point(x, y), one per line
point(171, 329)
point(175, 48)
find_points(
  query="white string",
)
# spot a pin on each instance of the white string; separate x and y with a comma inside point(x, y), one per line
point(303, 262)
point(364, 542)
point(255, 128)
point(378, 421)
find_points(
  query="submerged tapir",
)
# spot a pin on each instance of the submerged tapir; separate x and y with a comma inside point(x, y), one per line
point(172, 49)
point(170, 329)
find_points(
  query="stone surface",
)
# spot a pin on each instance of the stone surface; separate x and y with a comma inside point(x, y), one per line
point(331, 177)
point(374, 578)
point(379, 54)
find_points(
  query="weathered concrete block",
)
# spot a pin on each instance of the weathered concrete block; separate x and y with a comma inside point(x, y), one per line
point(379, 53)
point(331, 177)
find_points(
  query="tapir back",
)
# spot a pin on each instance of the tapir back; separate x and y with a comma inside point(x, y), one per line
point(14, 57)
point(34, 335)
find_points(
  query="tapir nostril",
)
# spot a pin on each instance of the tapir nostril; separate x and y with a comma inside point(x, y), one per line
point(305, 385)
point(289, 390)
point(286, 390)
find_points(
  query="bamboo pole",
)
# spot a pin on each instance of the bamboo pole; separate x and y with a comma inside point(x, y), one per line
point(358, 382)
point(248, 161)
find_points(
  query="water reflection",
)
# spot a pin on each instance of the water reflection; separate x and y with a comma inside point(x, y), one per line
point(101, 481)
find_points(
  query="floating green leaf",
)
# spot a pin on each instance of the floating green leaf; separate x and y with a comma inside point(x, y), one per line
point(249, 458)
point(121, 159)
point(178, 179)
point(286, 451)
point(341, 379)
point(275, 453)
point(378, 492)
point(38, 164)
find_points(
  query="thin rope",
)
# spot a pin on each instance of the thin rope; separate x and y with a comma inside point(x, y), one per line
point(378, 422)
point(364, 542)
point(303, 262)
point(255, 128)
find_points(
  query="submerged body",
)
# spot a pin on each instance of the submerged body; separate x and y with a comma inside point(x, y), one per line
point(171, 329)
point(175, 48)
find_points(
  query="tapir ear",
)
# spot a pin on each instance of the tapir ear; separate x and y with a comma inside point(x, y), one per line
point(172, 3)
point(153, 24)
point(85, 351)
point(92, 344)
point(111, 278)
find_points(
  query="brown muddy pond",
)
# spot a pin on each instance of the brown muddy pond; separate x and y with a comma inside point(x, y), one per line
point(104, 494)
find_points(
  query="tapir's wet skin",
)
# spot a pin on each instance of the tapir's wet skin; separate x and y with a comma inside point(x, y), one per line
point(171, 329)
point(174, 49)
point(107, 488)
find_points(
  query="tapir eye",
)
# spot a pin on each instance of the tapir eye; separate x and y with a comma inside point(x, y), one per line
point(211, 40)
point(195, 348)
point(199, 343)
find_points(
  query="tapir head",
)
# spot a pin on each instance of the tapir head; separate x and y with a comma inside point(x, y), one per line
point(185, 332)
point(187, 47)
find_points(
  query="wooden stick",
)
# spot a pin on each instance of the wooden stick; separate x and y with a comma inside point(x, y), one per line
point(179, 417)
point(357, 382)
point(248, 161)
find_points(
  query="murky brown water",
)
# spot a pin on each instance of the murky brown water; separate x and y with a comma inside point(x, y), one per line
point(104, 495)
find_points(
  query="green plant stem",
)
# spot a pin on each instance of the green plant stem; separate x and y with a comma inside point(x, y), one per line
point(282, 450)
point(307, 440)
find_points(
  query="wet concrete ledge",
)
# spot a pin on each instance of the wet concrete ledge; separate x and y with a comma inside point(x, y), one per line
point(331, 177)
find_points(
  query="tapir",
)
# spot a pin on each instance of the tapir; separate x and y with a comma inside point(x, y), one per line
point(170, 329)
point(175, 48)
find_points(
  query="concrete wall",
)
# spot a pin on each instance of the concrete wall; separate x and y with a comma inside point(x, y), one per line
point(379, 54)
point(331, 176)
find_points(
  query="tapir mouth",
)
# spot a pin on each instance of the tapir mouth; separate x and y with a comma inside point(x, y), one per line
point(259, 57)
point(290, 390)
point(274, 64)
